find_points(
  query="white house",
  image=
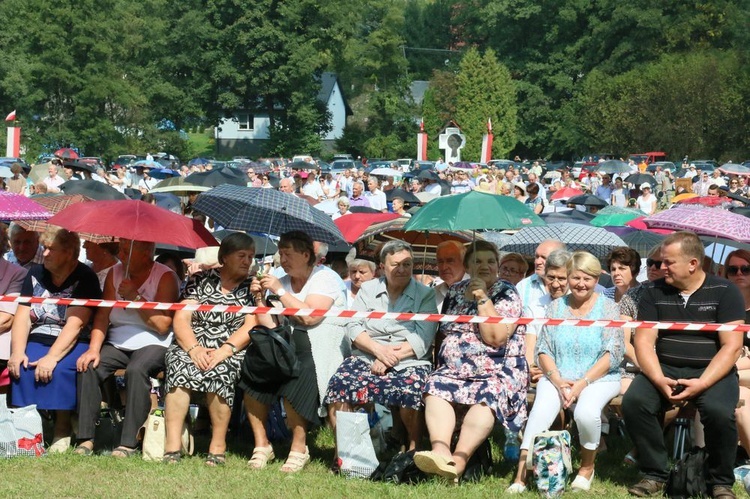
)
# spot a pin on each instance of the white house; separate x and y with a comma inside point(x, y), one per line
point(246, 132)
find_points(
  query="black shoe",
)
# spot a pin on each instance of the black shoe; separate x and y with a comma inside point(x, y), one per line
point(646, 488)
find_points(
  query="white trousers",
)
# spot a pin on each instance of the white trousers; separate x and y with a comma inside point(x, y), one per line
point(587, 412)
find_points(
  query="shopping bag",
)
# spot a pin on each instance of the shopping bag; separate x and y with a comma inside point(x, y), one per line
point(356, 452)
point(20, 431)
point(154, 435)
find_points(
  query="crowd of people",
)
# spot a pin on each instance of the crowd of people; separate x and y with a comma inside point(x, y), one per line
point(452, 382)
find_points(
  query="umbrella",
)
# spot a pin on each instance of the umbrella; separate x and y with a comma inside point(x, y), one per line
point(735, 169)
point(264, 245)
point(588, 200)
point(639, 178)
point(428, 175)
point(638, 223)
point(681, 197)
point(497, 238)
point(266, 210)
point(147, 163)
point(705, 200)
point(5, 172)
point(17, 207)
point(615, 216)
point(718, 248)
point(302, 165)
point(407, 196)
point(553, 174)
point(569, 216)
point(595, 240)
point(162, 173)
point(178, 186)
point(199, 161)
point(642, 240)
point(135, 220)
point(40, 171)
point(55, 204)
point(473, 210)
point(425, 197)
point(79, 166)
point(354, 225)
point(93, 189)
point(386, 172)
point(566, 193)
point(363, 209)
point(612, 166)
point(66, 153)
point(463, 165)
point(329, 206)
point(218, 176)
point(703, 220)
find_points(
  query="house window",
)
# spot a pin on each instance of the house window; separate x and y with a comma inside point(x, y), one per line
point(245, 121)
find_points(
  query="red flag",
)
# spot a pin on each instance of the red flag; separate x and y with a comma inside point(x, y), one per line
point(421, 124)
point(489, 125)
point(11, 116)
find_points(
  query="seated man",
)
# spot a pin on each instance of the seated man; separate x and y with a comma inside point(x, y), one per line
point(390, 359)
point(682, 366)
point(136, 339)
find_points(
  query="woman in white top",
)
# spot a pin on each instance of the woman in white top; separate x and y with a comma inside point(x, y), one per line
point(646, 202)
point(343, 205)
point(619, 194)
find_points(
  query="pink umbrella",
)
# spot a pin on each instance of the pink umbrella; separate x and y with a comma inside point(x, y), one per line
point(705, 221)
point(637, 223)
point(17, 207)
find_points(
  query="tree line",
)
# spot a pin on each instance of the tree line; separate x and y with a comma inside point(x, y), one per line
point(556, 77)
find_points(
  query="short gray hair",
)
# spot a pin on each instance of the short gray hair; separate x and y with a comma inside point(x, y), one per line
point(358, 262)
point(359, 183)
point(343, 200)
point(394, 246)
point(558, 259)
point(16, 229)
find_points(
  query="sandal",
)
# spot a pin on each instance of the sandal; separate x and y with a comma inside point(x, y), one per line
point(435, 464)
point(172, 457)
point(216, 459)
point(296, 461)
point(83, 450)
point(124, 452)
point(260, 457)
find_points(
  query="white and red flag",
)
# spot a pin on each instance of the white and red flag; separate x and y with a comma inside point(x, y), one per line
point(487, 144)
point(421, 142)
point(11, 116)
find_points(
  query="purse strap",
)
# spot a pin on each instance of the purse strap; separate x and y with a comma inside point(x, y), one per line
point(276, 336)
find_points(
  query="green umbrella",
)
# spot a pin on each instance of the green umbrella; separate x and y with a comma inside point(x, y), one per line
point(615, 216)
point(473, 211)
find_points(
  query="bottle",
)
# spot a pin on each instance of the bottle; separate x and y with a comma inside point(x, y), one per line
point(511, 451)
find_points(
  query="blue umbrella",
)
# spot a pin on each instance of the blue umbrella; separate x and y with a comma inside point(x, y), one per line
point(162, 173)
point(145, 163)
point(199, 161)
point(266, 210)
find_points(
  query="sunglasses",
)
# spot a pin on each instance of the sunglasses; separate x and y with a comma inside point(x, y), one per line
point(650, 262)
point(734, 270)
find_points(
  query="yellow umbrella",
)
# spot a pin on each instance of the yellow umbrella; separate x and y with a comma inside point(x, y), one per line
point(682, 197)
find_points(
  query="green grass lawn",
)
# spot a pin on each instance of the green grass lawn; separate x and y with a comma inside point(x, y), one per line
point(201, 145)
point(69, 475)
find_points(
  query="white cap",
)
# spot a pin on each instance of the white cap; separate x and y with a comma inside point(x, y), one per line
point(645, 185)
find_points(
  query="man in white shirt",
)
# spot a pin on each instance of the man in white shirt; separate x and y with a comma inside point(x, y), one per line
point(53, 181)
point(450, 264)
point(533, 288)
point(375, 196)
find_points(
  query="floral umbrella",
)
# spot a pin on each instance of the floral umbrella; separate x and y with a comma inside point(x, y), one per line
point(17, 207)
point(703, 220)
point(56, 204)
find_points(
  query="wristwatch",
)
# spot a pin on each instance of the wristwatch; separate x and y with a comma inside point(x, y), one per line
point(281, 292)
point(234, 348)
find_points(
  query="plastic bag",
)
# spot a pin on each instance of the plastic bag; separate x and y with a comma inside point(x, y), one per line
point(356, 452)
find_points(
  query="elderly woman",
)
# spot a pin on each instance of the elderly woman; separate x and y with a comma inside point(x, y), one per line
point(390, 359)
point(47, 339)
point(103, 257)
point(305, 285)
point(131, 339)
point(360, 271)
point(209, 346)
point(513, 267)
point(534, 201)
point(580, 365)
point(343, 205)
point(11, 280)
point(483, 373)
point(624, 265)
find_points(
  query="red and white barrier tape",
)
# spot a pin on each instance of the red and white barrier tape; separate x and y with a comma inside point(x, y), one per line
point(352, 314)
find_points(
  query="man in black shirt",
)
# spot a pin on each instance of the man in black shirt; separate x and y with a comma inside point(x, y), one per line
point(682, 366)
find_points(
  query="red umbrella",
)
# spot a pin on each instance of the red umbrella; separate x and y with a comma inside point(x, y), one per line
point(66, 153)
point(354, 225)
point(566, 193)
point(638, 223)
point(706, 200)
point(136, 220)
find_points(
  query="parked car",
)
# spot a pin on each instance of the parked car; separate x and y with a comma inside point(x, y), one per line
point(665, 165)
point(648, 157)
point(342, 156)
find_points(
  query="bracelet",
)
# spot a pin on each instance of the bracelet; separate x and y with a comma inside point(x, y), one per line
point(482, 301)
point(586, 379)
point(231, 346)
point(192, 348)
point(138, 297)
point(549, 373)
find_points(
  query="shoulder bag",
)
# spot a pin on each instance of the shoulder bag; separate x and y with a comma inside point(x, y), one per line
point(271, 357)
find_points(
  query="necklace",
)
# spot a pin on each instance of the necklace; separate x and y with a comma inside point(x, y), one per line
point(584, 309)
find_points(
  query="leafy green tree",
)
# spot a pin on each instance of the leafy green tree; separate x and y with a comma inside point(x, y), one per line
point(485, 90)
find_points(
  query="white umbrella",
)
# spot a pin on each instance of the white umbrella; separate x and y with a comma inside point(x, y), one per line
point(386, 172)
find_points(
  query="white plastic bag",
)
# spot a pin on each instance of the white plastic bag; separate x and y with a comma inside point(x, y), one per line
point(356, 452)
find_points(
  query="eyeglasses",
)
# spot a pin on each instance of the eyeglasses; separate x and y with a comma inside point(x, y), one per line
point(508, 270)
point(733, 183)
point(551, 279)
point(650, 262)
point(734, 270)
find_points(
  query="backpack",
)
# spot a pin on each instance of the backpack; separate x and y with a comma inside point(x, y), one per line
point(549, 458)
point(688, 477)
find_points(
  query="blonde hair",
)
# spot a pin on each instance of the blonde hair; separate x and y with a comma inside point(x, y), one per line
point(586, 263)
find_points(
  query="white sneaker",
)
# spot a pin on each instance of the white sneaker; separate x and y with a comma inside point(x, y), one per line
point(59, 445)
point(581, 483)
point(516, 488)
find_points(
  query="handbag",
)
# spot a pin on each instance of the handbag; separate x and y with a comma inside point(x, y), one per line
point(20, 431)
point(549, 458)
point(356, 452)
point(108, 431)
point(154, 435)
point(271, 357)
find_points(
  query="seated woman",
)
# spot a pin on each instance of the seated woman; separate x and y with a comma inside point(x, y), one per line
point(131, 339)
point(11, 280)
point(47, 339)
point(513, 267)
point(305, 285)
point(580, 365)
point(483, 371)
point(209, 346)
point(390, 359)
point(624, 264)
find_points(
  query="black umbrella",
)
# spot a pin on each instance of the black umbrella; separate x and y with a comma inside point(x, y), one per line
point(737, 197)
point(264, 245)
point(363, 209)
point(588, 200)
point(407, 196)
point(93, 189)
point(218, 176)
point(639, 178)
point(740, 210)
point(642, 240)
point(302, 165)
point(570, 216)
point(274, 180)
point(79, 166)
point(428, 175)
point(268, 211)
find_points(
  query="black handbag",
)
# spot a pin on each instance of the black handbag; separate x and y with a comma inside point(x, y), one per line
point(271, 357)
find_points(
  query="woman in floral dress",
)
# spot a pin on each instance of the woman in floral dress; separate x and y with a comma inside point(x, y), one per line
point(482, 373)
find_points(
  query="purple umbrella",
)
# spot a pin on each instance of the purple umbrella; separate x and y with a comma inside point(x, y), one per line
point(703, 220)
point(17, 207)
